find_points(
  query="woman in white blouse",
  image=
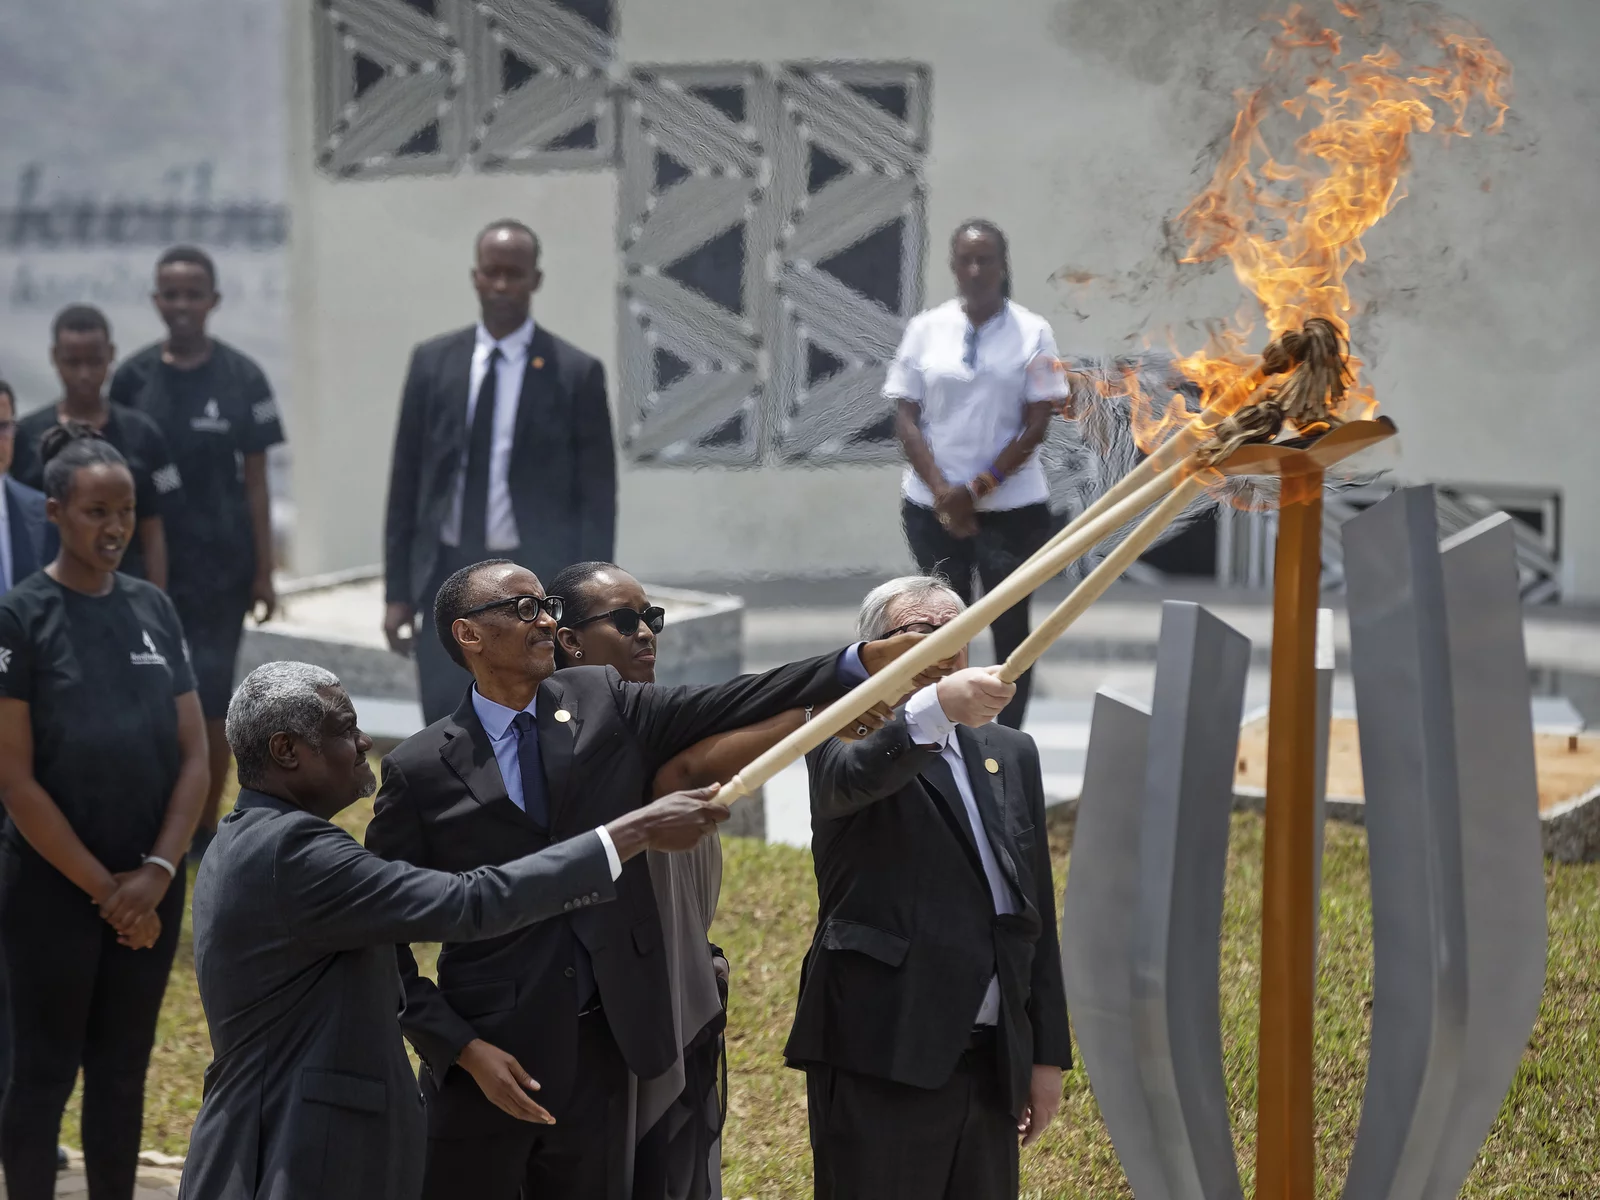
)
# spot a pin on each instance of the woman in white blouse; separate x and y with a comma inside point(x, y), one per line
point(976, 382)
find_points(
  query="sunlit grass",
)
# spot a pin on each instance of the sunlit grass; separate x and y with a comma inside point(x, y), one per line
point(1544, 1145)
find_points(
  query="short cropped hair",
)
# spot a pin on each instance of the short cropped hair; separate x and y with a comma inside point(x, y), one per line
point(873, 620)
point(79, 318)
point(192, 255)
point(511, 224)
point(277, 697)
point(454, 598)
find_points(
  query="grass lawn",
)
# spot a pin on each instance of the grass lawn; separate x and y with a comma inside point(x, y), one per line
point(1545, 1144)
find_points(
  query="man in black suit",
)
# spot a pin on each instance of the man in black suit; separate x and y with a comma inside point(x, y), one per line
point(527, 760)
point(310, 1094)
point(503, 447)
point(27, 539)
point(932, 1021)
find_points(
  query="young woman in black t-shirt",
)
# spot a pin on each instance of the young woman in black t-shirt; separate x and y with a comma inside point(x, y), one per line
point(82, 352)
point(103, 772)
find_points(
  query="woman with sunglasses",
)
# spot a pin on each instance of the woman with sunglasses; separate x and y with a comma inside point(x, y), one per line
point(608, 621)
point(975, 382)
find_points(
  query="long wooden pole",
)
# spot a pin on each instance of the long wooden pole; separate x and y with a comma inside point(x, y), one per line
point(1285, 1164)
point(1098, 580)
point(1175, 449)
point(888, 685)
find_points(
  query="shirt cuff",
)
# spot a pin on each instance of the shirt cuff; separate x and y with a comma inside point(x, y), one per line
point(925, 719)
point(612, 857)
point(851, 670)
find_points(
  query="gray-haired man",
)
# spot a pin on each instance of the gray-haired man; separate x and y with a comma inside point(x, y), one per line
point(310, 1093)
point(932, 1022)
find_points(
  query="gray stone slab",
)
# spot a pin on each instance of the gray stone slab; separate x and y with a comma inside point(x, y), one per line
point(1319, 779)
point(1503, 860)
point(1183, 858)
point(1400, 663)
point(1097, 933)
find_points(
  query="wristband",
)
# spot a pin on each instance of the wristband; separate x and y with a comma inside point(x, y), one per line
point(151, 859)
point(999, 475)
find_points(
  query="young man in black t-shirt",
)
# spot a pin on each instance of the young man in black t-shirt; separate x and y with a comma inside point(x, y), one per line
point(216, 409)
point(82, 352)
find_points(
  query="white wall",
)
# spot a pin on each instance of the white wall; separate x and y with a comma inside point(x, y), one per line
point(1080, 126)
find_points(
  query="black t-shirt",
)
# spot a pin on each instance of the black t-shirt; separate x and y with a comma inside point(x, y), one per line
point(157, 483)
point(99, 674)
point(212, 416)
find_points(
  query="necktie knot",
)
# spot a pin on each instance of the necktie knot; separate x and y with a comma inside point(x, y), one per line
point(523, 723)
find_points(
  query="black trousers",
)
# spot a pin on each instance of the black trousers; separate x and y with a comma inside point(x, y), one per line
point(440, 683)
point(77, 1000)
point(1004, 540)
point(580, 1157)
point(872, 1139)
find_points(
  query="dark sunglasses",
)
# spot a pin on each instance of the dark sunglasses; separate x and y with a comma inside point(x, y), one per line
point(527, 607)
point(922, 627)
point(627, 621)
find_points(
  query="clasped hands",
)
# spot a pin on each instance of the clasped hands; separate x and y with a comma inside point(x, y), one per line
point(130, 906)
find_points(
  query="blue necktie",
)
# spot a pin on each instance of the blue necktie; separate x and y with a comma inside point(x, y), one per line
point(536, 803)
point(531, 767)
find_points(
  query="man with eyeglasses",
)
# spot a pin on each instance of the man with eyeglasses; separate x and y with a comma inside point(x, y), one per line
point(932, 1018)
point(27, 539)
point(560, 1011)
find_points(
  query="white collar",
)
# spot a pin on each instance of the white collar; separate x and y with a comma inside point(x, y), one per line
point(495, 717)
point(514, 344)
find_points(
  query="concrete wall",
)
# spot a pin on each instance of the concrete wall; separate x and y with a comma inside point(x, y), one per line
point(1080, 126)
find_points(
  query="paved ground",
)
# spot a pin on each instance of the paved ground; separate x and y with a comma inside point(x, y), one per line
point(158, 1178)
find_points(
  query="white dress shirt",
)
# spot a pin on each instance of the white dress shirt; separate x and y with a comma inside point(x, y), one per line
point(928, 726)
point(969, 414)
point(496, 720)
point(7, 563)
point(513, 365)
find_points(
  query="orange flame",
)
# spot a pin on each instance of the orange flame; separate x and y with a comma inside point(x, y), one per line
point(1292, 229)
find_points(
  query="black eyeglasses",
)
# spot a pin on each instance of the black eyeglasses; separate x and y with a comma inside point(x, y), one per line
point(922, 627)
point(627, 621)
point(527, 607)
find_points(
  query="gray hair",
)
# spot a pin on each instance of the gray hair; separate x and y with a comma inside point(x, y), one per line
point(873, 620)
point(278, 697)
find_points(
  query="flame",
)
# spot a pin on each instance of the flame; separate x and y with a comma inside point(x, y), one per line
point(1292, 225)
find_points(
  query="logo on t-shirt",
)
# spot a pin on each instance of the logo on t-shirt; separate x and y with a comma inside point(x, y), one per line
point(5, 661)
point(212, 420)
point(264, 411)
point(166, 479)
point(150, 656)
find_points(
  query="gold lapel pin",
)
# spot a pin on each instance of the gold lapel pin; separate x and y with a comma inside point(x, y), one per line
point(538, 363)
point(563, 715)
point(989, 764)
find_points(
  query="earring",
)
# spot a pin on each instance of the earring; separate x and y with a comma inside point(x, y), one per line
point(577, 654)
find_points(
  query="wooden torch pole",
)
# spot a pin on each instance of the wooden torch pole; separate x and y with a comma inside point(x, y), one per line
point(1284, 1123)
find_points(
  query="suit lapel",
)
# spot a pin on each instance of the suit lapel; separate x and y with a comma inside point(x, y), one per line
point(559, 727)
point(533, 404)
point(468, 753)
point(988, 790)
point(942, 781)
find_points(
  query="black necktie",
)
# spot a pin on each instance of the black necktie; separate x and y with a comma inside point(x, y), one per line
point(531, 767)
point(475, 468)
point(535, 802)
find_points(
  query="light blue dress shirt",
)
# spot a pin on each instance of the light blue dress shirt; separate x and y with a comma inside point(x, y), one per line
point(496, 721)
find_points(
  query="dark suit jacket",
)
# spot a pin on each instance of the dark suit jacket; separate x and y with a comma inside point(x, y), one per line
point(33, 538)
point(907, 935)
point(563, 465)
point(443, 804)
point(310, 1093)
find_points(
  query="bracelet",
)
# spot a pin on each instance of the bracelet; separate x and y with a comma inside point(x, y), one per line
point(999, 475)
point(172, 871)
